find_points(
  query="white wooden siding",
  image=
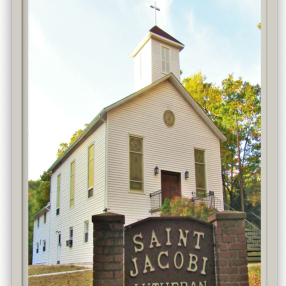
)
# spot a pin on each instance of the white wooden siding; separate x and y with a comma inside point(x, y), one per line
point(41, 233)
point(156, 60)
point(171, 149)
point(84, 207)
point(146, 61)
point(152, 65)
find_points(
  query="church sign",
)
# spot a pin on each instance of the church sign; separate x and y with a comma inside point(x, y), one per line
point(169, 251)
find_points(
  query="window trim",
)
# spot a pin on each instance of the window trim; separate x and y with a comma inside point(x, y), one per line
point(86, 222)
point(58, 190)
point(205, 163)
point(71, 207)
point(169, 48)
point(71, 228)
point(89, 188)
point(143, 162)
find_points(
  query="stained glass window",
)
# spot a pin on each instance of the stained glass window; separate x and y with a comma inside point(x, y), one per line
point(200, 171)
point(136, 163)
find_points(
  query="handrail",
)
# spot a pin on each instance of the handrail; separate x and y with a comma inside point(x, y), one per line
point(255, 215)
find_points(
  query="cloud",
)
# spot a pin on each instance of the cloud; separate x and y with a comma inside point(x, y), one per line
point(215, 55)
point(251, 8)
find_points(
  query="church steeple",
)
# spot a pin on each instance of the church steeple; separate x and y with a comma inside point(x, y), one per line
point(155, 56)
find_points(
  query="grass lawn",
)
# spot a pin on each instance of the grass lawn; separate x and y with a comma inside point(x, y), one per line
point(72, 279)
point(254, 274)
point(42, 269)
point(85, 278)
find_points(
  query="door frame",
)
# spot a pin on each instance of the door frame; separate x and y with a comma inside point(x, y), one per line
point(172, 173)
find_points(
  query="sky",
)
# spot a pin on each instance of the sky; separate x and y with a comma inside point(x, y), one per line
point(79, 57)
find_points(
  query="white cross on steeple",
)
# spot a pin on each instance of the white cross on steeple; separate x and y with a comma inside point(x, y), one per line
point(155, 8)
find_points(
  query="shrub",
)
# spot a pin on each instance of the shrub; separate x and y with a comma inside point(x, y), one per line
point(166, 207)
point(185, 207)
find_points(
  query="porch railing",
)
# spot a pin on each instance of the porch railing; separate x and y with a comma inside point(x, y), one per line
point(158, 196)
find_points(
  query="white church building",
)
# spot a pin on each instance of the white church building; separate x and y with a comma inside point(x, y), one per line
point(155, 141)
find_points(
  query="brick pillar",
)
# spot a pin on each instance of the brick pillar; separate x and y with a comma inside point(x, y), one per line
point(231, 256)
point(108, 249)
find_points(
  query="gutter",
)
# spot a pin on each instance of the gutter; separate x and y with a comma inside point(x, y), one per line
point(40, 211)
point(50, 219)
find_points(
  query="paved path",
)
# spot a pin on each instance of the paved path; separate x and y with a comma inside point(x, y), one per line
point(58, 273)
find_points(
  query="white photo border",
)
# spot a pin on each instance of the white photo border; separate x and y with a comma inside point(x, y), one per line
point(20, 142)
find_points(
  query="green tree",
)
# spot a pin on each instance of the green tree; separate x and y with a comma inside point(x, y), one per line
point(38, 197)
point(241, 116)
point(64, 146)
point(166, 207)
point(259, 26)
point(235, 108)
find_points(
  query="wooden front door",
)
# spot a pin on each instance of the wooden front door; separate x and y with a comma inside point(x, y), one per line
point(170, 185)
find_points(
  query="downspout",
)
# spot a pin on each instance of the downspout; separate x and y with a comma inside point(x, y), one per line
point(50, 226)
point(46, 207)
point(105, 182)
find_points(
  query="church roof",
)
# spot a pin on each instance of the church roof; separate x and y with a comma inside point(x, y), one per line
point(101, 117)
point(41, 211)
point(160, 35)
point(156, 30)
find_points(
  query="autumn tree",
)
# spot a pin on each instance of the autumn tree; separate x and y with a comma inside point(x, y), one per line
point(64, 146)
point(235, 108)
point(259, 26)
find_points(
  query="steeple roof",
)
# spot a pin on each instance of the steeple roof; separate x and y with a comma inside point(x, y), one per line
point(159, 34)
point(156, 30)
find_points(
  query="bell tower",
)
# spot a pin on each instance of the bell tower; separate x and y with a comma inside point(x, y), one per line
point(155, 56)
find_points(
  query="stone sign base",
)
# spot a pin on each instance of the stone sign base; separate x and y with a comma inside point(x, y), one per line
point(108, 249)
point(229, 246)
point(231, 249)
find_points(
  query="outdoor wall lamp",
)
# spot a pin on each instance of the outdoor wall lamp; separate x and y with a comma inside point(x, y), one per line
point(156, 170)
point(187, 175)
